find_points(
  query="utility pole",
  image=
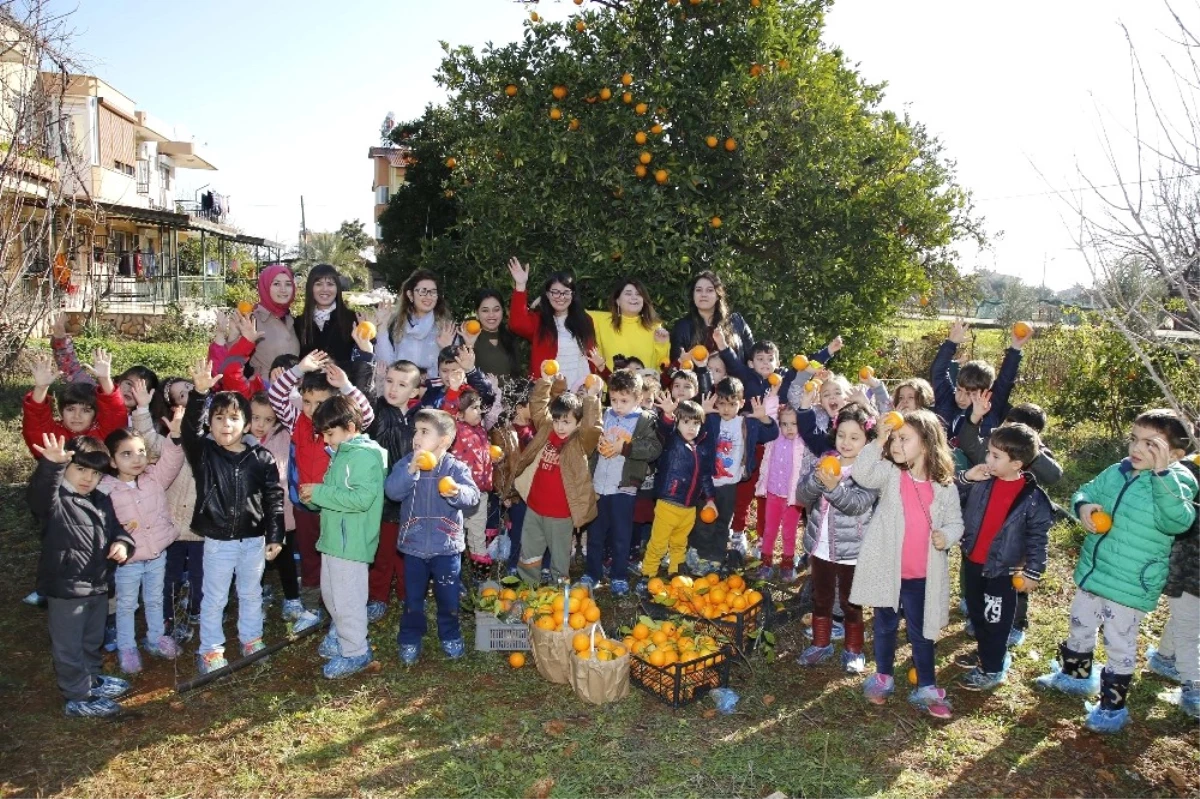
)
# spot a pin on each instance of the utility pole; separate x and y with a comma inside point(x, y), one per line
point(303, 225)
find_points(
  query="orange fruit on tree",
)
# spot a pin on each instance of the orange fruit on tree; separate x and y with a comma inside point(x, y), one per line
point(550, 367)
point(830, 465)
point(640, 171)
point(656, 129)
point(866, 373)
point(1022, 329)
point(426, 460)
point(755, 70)
point(627, 97)
point(645, 158)
point(639, 137)
point(923, 301)
point(472, 327)
point(731, 144)
point(366, 330)
point(640, 109)
point(559, 92)
point(573, 124)
point(1101, 521)
point(755, 3)
point(511, 90)
point(516, 660)
point(555, 114)
point(245, 307)
point(708, 515)
point(447, 485)
point(784, 64)
point(711, 141)
point(451, 162)
point(578, 2)
point(894, 419)
point(606, 93)
point(662, 175)
point(626, 79)
point(774, 379)
point(715, 221)
point(534, 16)
point(580, 26)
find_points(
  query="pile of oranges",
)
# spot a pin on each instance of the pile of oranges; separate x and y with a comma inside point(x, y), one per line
point(606, 648)
point(545, 607)
point(664, 643)
point(708, 597)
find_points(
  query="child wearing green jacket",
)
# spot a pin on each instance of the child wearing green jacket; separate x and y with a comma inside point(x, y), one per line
point(1132, 512)
point(351, 503)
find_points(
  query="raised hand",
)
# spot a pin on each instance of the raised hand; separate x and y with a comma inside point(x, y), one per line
point(758, 410)
point(44, 371)
point(141, 394)
point(445, 335)
point(247, 327)
point(981, 403)
point(520, 273)
point(709, 402)
point(202, 377)
point(336, 376)
point(667, 404)
point(859, 397)
point(364, 344)
point(383, 313)
point(466, 358)
point(827, 479)
point(53, 448)
point(313, 362)
point(58, 329)
point(469, 338)
point(101, 365)
point(835, 345)
point(1160, 453)
point(174, 422)
point(958, 331)
point(719, 340)
point(661, 335)
point(595, 358)
point(220, 326)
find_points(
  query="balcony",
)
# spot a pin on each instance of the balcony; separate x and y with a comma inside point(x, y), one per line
point(185, 155)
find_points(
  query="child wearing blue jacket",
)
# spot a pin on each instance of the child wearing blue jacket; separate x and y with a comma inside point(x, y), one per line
point(431, 534)
point(953, 395)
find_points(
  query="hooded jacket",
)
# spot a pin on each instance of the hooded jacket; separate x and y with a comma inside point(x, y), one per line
point(848, 508)
point(431, 525)
point(1020, 544)
point(351, 500)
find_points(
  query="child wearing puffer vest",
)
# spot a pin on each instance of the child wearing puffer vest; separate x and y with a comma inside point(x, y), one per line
point(1132, 512)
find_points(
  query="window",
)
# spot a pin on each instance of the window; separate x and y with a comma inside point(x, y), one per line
point(381, 195)
point(121, 166)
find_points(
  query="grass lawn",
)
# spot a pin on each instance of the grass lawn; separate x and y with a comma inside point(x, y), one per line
point(477, 727)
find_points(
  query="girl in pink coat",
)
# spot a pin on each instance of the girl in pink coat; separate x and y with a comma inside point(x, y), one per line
point(139, 496)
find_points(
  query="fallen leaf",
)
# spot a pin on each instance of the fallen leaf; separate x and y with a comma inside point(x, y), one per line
point(710, 713)
point(554, 728)
point(540, 789)
point(571, 749)
point(1177, 779)
point(177, 707)
point(1106, 776)
point(768, 700)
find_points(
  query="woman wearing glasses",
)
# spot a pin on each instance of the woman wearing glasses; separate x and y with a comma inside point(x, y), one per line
point(421, 326)
point(630, 327)
point(560, 329)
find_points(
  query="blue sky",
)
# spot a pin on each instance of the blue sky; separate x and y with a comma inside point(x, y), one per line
point(288, 96)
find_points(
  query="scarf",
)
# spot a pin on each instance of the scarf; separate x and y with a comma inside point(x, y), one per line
point(321, 317)
point(265, 278)
point(419, 328)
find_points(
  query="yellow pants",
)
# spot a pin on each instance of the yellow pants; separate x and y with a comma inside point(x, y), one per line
point(672, 524)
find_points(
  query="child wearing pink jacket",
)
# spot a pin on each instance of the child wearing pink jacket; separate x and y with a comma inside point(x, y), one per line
point(783, 462)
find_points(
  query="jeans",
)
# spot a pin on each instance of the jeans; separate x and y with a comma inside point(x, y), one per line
point(443, 570)
point(245, 560)
point(183, 556)
point(146, 576)
point(887, 622)
point(991, 604)
point(613, 527)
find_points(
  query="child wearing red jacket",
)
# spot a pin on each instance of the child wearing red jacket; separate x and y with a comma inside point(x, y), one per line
point(471, 446)
point(84, 409)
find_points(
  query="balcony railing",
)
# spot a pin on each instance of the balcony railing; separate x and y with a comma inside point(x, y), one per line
point(143, 176)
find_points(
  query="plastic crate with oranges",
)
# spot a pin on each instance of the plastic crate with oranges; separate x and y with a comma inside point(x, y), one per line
point(675, 660)
point(728, 606)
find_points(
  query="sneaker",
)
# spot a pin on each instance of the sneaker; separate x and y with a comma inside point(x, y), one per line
point(513, 572)
point(815, 655)
point(979, 680)
point(1105, 721)
point(787, 576)
point(330, 648)
point(208, 662)
point(853, 662)
point(620, 588)
point(291, 609)
point(129, 661)
point(454, 649)
point(95, 707)
point(253, 646)
point(692, 561)
point(969, 629)
point(409, 653)
point(1189, 698)
point(1075, 686)
point(765, 573)
point(642, 588)
point(968, 659)
point(340, 667)
point(547, 577)
point(587, 582)
point(34, 599)
point(1162, 665)
point(307, 620)
point(268, 596)
point(110, 636)
point(739, 543)
point(878, 688)
point(931, 700)
point(107, 687)
point(1015, 638)
point(165, 647)
point(376, 610)
point(837, 632)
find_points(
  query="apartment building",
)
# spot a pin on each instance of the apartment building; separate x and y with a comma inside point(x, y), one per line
point(389, 165)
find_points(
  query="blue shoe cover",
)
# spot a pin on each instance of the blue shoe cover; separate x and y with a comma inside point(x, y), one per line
point(1075, 686)
point(1105, 721)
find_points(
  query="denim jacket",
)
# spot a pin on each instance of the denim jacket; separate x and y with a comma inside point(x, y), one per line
point(430, 524)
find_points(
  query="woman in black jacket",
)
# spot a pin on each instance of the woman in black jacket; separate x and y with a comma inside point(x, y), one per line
point(326, 322)
point(708, 310)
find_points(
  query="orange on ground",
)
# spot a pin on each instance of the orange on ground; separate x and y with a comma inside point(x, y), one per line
point(516, 660)
point(912, 675)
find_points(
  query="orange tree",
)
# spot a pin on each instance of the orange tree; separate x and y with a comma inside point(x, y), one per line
point(657, 138)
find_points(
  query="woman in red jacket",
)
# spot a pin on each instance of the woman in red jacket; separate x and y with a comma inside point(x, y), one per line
point(560, 329)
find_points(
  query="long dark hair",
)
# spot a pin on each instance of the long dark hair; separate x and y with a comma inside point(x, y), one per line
point(720, 312)
point(578, 323)
point(647, 316)
point(441, 311)
point(343, 317)
point(508, 342)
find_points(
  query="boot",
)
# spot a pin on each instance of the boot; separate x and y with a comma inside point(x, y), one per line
point(853, 661)
point(1072, 673)
point(821, 648)
point(1110, 715)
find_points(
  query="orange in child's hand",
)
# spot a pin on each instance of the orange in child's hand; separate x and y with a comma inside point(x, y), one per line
point(708, 515)
point(516, 660)
point(447, 485)
point(894, 419)
point(830, 465)
point(550, 367)
point(1022, 329)
point(866, 373)
point(700, 352)
point(1101, 521)
point(774, 379)
point(495, 452)
point(472, 327)
point(426, 460)
point(592, 381)
point(811, 385)
point(800, 363)
point(245, 307)
point(1018, 582)
point(366, 330)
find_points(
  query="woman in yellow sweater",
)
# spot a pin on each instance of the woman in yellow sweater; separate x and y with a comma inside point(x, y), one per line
point(630, 327)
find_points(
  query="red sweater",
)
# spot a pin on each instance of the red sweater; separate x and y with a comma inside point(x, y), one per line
point(1004, 492)
point(528, 325)
point(38, 419)
point(547, 494)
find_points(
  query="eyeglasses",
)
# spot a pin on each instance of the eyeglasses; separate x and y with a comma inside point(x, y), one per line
point(560, 294)
point(425, 292)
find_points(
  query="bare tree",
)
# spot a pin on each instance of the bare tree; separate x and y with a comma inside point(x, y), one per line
point(1138, 227)
point(45, 213)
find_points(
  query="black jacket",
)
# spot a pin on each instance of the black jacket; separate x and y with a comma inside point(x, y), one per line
point(1044, 468)
point(685, 471)
point(238, 494)
point(77, 530)
point(1020, 544)
point(683, 337)
point(393, 430)
point(1183, 573)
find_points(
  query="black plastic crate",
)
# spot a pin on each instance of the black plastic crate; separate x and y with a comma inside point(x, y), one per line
point(740, 631)
point(680, 684)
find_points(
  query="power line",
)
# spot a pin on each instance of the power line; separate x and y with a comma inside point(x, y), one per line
point(1053, 192)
